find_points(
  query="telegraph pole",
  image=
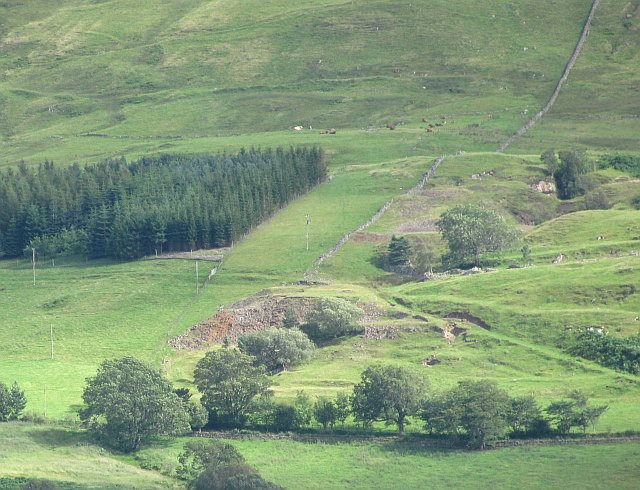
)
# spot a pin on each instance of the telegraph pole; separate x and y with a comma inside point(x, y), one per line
point(33, 264)
point(306, 231)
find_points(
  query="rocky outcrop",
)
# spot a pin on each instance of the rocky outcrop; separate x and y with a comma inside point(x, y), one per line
point(253, 314)
point(544, 187)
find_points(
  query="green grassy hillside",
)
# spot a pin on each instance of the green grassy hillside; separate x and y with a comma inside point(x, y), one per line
point(81, 81)
point(599, 106)
point(68, 458)
point(139, 71)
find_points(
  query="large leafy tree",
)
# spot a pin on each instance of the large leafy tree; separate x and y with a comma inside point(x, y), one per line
point(277, 348)
point(483, 409)
point(229, 381)
point(128, 402)
point(388, 393)
point(471, 231)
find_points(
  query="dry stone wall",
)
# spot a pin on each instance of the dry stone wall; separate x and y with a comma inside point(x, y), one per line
point(419, 186)
point(576, 52)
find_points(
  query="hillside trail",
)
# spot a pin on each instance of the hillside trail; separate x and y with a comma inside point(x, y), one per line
point(436, 163)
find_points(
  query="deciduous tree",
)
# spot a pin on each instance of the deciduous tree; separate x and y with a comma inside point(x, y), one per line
point(277, 348)
point(471, 231)
point(128, 401)
point(388, 393)
point(483, 410)
point(229, 381)
point(325, 412)
point(569, 174)
point(331, 318)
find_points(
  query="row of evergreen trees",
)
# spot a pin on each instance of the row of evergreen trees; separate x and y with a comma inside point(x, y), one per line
point(166, 203)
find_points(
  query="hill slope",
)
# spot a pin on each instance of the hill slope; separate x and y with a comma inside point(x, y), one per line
point(142, 70)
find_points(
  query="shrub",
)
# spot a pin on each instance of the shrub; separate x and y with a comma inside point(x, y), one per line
point(596, 199)
point(277, 349)
point(325, 412)
point(199, 454)
point(12, 402)
point(332, 318)
point(622, 354)
point(284, 418)
point(624, 163)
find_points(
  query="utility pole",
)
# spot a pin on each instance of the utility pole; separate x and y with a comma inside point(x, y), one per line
point(51, 331)
point(306, 231)
point(197, 279)
point(33, 264)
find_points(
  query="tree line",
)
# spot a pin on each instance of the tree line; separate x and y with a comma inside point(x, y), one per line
point(128, 402)
point(164, 203)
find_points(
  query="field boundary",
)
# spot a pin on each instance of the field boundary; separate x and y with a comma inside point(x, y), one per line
point(408, 440)
point(556, 93)
point(345, 238)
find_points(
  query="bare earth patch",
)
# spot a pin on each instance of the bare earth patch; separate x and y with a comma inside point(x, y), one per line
point(419, 225)
point(253, 314)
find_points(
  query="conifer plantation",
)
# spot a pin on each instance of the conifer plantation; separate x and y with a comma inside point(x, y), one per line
point(166, 203)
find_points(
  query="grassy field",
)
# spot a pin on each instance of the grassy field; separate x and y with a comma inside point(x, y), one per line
point(370, 466)
point(589, 114)
point(68, 458)
point(81, 81)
